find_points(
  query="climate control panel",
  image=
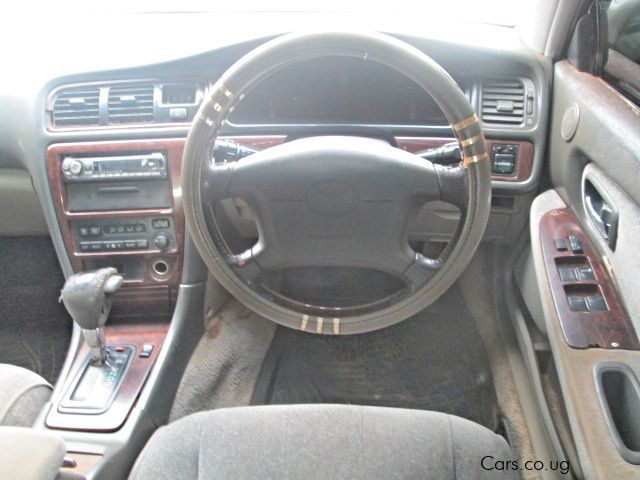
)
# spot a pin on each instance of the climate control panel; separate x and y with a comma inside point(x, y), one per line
point(124, 234)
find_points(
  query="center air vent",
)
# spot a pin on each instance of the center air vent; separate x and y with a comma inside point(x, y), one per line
point(503, 101)
point(132, 103)
point(77, 106)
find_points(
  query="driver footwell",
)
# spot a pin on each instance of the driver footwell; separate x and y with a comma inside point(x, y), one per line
point(432, 361)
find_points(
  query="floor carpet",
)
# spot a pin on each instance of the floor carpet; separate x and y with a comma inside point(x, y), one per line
point(34, 328)
point(432, 361)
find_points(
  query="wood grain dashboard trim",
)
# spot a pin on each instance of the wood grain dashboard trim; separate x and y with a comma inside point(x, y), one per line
point(173, 149)
point(524, 164)
point(610, 329)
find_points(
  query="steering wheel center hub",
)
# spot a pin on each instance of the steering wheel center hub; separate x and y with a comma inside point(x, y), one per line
point(332, 199)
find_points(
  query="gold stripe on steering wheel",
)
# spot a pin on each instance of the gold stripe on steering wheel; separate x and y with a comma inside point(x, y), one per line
point(468, 160)
point(470, 141)
point(465, 123)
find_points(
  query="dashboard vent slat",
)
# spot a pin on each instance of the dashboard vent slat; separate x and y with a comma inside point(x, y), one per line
point(131, 103)
point(503, 101)
point(77, 107)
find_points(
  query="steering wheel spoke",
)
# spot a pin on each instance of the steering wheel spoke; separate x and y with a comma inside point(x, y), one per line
point(454, 187)
point(245, 266)
point(420, 272)
point(215, 180)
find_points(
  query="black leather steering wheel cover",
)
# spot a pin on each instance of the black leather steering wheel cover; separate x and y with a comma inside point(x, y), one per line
point(278, 53)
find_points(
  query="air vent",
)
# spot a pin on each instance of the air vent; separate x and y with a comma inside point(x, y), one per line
point(132, 103)
point(77, 106)
point(503, 101)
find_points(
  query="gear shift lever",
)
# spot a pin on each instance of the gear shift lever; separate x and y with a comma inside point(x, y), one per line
point(88, 298)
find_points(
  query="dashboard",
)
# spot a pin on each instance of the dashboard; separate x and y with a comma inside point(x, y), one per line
point(87, 138)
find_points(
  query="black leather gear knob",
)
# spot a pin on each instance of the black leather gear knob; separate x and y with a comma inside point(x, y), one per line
point(88, 296)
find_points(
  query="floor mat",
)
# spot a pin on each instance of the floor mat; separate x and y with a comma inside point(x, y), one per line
point(35, 328)
point(432, 361)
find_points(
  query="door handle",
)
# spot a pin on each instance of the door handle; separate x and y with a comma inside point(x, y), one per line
point(601, 210)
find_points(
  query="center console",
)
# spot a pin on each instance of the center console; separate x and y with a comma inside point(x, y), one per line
point(119, 205)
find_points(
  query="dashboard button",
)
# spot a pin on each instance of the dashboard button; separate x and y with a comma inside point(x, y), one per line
point(503, 163)
point(162, 241)
point(75, 167)
point(177, 114)
point(160, 223)
point(146, 350)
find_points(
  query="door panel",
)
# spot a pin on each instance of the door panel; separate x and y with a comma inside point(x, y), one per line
point(606, 145)
point(604, 148)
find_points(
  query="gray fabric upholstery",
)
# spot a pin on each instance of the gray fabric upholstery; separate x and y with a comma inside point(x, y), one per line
point(28, 454)
point(321, 441)
point(22, 395)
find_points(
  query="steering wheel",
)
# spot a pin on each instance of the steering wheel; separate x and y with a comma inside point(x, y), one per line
point(335, 201)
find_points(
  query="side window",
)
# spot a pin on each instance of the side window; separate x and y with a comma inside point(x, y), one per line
point(622, 69)
point(623, 19)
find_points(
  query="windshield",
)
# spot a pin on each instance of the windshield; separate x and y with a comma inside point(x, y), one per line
point(498, 12)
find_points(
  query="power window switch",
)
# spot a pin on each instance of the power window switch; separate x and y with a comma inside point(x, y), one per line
point(585, 274)
point(577, 304)
point(596, 303)
point(567, 274)
point(146, 350)
point(560, 244)
point(576, 244)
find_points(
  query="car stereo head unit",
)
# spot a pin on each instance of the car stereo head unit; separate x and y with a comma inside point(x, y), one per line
point(107, 169)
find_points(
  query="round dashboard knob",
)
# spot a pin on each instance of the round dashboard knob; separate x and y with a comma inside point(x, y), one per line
point(161, 241)
point(75, 167)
